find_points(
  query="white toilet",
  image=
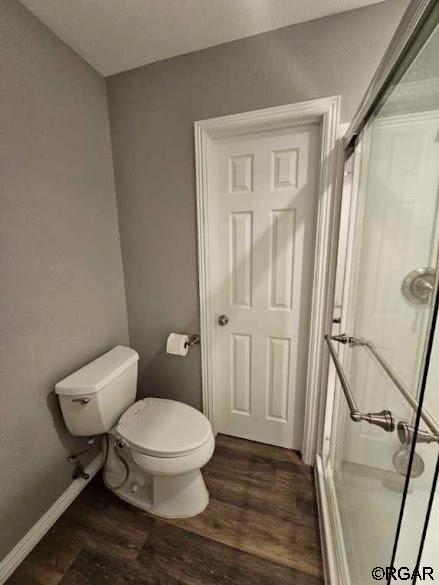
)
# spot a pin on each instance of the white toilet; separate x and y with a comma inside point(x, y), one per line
point(155, 448)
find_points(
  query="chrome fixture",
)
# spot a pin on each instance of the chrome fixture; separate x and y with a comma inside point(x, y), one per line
point(193, 341)
point(223, 320)
point(401, 460)
point(383, 419)
point(358, 341)
point(81, 400)
point(79, 470)
point(406, 433)
point(418, 285)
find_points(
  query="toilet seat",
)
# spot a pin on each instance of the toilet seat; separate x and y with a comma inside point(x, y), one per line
point(172, 466)
point(162, 428)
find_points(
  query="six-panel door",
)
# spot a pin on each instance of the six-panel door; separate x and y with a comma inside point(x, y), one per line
point(263, 220)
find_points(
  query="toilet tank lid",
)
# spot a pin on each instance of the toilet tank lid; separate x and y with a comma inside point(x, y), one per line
point(98, 373)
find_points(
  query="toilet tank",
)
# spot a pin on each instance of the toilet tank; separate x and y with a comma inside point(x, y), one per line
point(93, 398)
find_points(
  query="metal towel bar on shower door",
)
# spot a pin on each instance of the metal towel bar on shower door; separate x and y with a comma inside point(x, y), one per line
point(383, 419)
point(428, 419)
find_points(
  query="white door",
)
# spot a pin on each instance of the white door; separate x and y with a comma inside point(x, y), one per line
point(263, 221)
point(398, 219)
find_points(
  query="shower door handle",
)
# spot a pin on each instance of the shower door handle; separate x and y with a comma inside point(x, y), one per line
point(428, 419)
point(383, 419)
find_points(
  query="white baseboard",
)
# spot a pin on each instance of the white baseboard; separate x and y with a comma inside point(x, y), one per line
point(38, 530)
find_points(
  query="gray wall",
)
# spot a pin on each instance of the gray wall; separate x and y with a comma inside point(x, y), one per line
point(152, 110)
point(62, 294)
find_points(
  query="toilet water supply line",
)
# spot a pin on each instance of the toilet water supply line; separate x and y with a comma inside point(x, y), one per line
point(79, 471)
point(117, 446)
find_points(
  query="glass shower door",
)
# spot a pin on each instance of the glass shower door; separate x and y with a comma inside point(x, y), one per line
point(381, 347)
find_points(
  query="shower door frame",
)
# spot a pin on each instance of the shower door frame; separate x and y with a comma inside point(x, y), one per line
point(334, 558)
point(335, 561)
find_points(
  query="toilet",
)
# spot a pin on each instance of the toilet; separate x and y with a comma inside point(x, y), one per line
point(154, 448)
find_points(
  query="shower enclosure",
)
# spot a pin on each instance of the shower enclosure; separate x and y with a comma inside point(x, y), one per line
point(377, 471)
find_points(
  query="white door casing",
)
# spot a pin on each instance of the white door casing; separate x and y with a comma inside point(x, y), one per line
point(208, 135)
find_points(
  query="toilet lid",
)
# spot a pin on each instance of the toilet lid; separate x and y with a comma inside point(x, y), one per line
point(163, 428)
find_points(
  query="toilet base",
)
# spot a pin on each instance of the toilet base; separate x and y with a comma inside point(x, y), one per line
point(180, 496)
point(169, 496)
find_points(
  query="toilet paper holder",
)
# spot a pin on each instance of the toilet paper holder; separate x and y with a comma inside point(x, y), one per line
point(193, 341)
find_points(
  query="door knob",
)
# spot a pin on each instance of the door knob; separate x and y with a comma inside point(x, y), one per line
point(223, 320)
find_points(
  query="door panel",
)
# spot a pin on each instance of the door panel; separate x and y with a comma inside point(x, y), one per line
point(241, 258)
point(263, 222)
point(278, 360)
point(241, 360)
point(281, 258)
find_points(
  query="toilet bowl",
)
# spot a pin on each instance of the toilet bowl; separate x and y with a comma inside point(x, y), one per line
point(155, 448)
point(164, 444)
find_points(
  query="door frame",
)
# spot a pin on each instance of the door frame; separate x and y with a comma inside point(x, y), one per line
point(325, 112)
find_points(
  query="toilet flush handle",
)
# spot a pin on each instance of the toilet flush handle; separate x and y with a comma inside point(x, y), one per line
point(81, 400)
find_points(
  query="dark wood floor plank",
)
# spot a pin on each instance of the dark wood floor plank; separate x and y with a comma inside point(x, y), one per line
point(260, 527)
point(195, 560)
point(241, 447)
point(25, 575)
point(114, 528)
point(253, 484)
point(101, 569)
point(259, 534)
